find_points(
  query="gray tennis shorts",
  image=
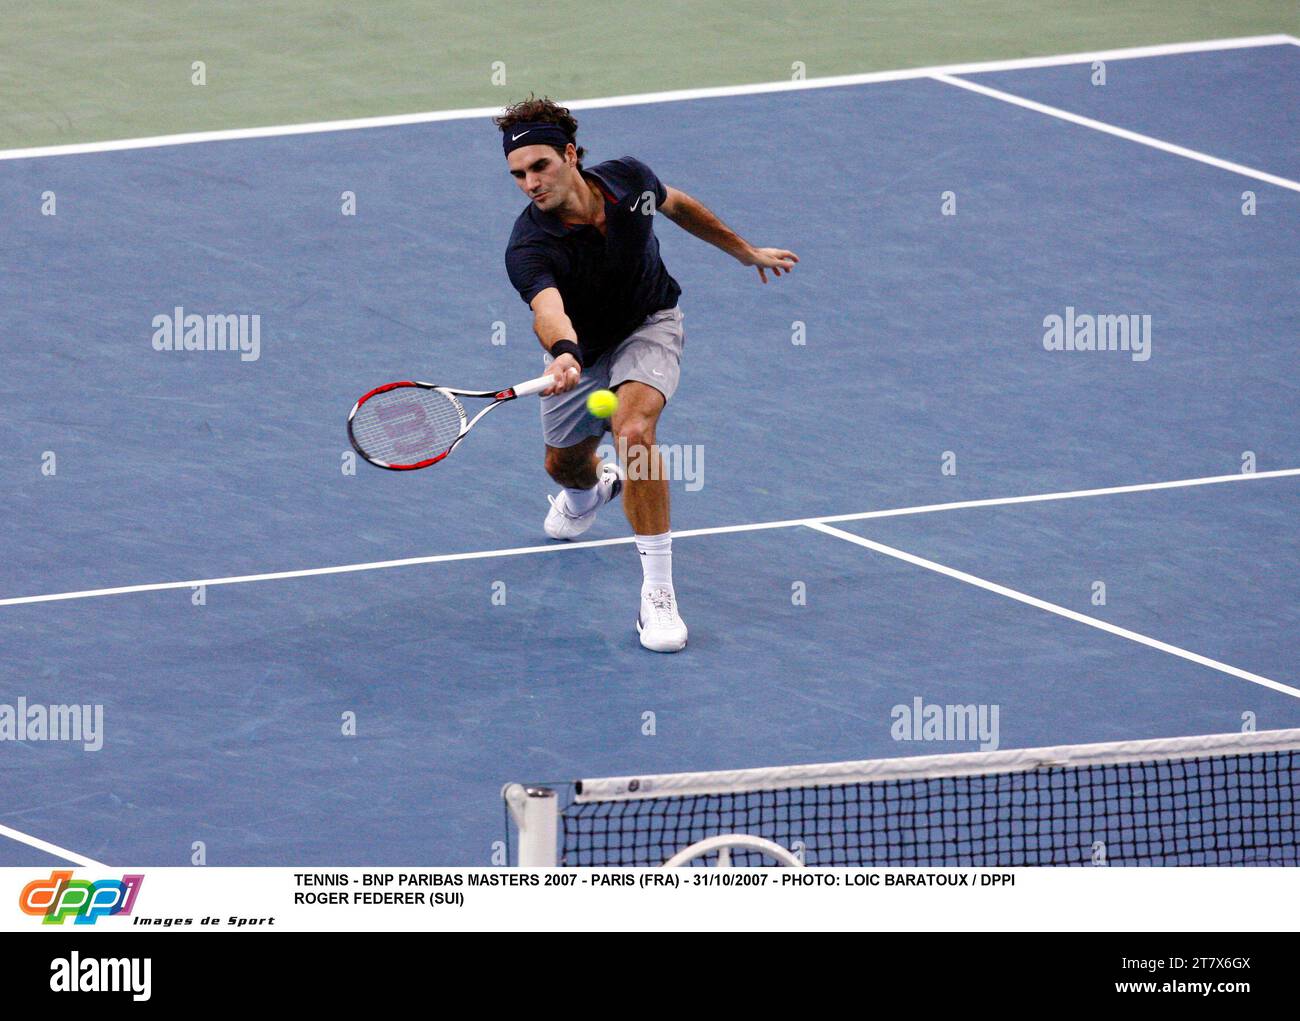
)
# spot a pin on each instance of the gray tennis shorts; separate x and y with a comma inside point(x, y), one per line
point(651, 355)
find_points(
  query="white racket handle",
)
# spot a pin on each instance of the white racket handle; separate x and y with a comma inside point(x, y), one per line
point(534, 386)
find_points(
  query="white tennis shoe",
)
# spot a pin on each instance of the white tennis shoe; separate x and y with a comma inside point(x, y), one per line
point(562, 523)
point(660, 627)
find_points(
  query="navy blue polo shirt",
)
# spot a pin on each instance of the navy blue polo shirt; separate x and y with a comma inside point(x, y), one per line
point(609, 282)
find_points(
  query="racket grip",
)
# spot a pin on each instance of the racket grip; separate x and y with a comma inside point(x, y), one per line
point(533, 386)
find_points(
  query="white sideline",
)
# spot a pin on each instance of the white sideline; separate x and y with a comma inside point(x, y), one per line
point(48, 848)
point(1111, 129)
point(676, 95)
point(442, 558)
point(1061, 611)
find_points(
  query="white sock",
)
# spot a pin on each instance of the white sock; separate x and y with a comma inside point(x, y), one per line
point(579, 501)
point(656, 560)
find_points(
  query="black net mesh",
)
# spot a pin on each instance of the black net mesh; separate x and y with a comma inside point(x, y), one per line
point(1213, 810)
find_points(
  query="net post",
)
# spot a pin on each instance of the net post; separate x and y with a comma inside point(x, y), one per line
point(536, 812)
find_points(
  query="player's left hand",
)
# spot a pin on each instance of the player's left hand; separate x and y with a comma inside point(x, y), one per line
point(778, 260)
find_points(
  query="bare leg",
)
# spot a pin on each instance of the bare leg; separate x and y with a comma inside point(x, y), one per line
point(645, 494)
point(645, 499)
point(574, 467)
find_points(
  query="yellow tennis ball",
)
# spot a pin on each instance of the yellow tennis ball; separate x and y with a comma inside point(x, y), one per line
point(602, 403)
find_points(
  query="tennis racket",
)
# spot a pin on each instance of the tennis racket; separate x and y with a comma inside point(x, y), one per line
point(409, 425)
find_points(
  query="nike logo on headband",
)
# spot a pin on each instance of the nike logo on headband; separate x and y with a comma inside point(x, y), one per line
point(515, 138)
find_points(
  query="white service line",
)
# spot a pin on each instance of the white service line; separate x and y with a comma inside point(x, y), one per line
point(443, 558)
point(1003, 501)
point(638, 99)
point(1042, 604)
point(48, 848)
point(1111, 129)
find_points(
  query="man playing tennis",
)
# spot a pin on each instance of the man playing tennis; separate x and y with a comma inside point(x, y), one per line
point(583, 255)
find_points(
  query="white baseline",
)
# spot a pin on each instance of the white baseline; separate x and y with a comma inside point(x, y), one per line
point(638, 99)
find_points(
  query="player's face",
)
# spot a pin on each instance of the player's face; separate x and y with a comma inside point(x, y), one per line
point(543, 174)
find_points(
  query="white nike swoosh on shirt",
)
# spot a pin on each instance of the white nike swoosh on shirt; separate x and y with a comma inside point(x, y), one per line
point(656, 372)
point(515, 138)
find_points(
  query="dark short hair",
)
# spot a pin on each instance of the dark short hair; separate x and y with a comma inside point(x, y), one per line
point(541, 111)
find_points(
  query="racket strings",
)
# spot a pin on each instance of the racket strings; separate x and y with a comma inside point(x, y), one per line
point(407, 425)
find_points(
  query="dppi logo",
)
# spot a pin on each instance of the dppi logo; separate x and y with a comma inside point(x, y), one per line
point(60, 896)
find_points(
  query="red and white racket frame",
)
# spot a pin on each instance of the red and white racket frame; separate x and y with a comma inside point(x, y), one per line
point(498, 397)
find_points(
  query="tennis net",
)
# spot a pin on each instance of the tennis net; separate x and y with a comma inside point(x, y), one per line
point(1213, 800)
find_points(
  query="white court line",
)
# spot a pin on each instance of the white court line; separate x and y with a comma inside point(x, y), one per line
point(1042, 604)
point(1111, 129)
point(48, 848)
point(638, 99)
point(443, 558)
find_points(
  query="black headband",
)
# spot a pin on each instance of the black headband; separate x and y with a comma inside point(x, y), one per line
point(519, 135)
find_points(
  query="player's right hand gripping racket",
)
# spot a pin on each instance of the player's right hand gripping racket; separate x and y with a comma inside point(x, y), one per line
point(409, 425)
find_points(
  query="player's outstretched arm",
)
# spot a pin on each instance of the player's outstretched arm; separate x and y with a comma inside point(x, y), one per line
point(553, 326)
point(695, 217)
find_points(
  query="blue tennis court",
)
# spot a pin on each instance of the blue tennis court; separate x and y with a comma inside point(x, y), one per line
point(300, 664)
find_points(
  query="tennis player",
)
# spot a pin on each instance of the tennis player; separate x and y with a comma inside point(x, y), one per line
point(584, 257)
